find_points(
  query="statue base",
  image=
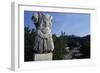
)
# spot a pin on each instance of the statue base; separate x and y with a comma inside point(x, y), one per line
point(43, 57)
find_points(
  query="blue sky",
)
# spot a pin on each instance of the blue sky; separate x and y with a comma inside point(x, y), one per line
point(71, 23)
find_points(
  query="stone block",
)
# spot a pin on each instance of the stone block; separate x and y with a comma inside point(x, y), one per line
point(43, 57)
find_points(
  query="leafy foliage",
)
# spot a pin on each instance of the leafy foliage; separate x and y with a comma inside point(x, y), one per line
point(29, 36)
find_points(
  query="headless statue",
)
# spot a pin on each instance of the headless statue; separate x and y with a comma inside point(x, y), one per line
point(43, 38)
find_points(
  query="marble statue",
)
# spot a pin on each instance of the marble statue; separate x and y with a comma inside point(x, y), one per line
point(43, 38)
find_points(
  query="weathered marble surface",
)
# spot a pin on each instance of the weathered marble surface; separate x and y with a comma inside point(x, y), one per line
point(43, 39)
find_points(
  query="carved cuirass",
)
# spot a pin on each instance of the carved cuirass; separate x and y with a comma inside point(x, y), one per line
point(43, 38)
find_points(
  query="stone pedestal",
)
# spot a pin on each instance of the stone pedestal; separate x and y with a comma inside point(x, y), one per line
point(43, 57)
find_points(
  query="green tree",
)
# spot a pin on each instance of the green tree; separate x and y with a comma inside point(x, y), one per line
point(29, 36)
point(60, 44)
